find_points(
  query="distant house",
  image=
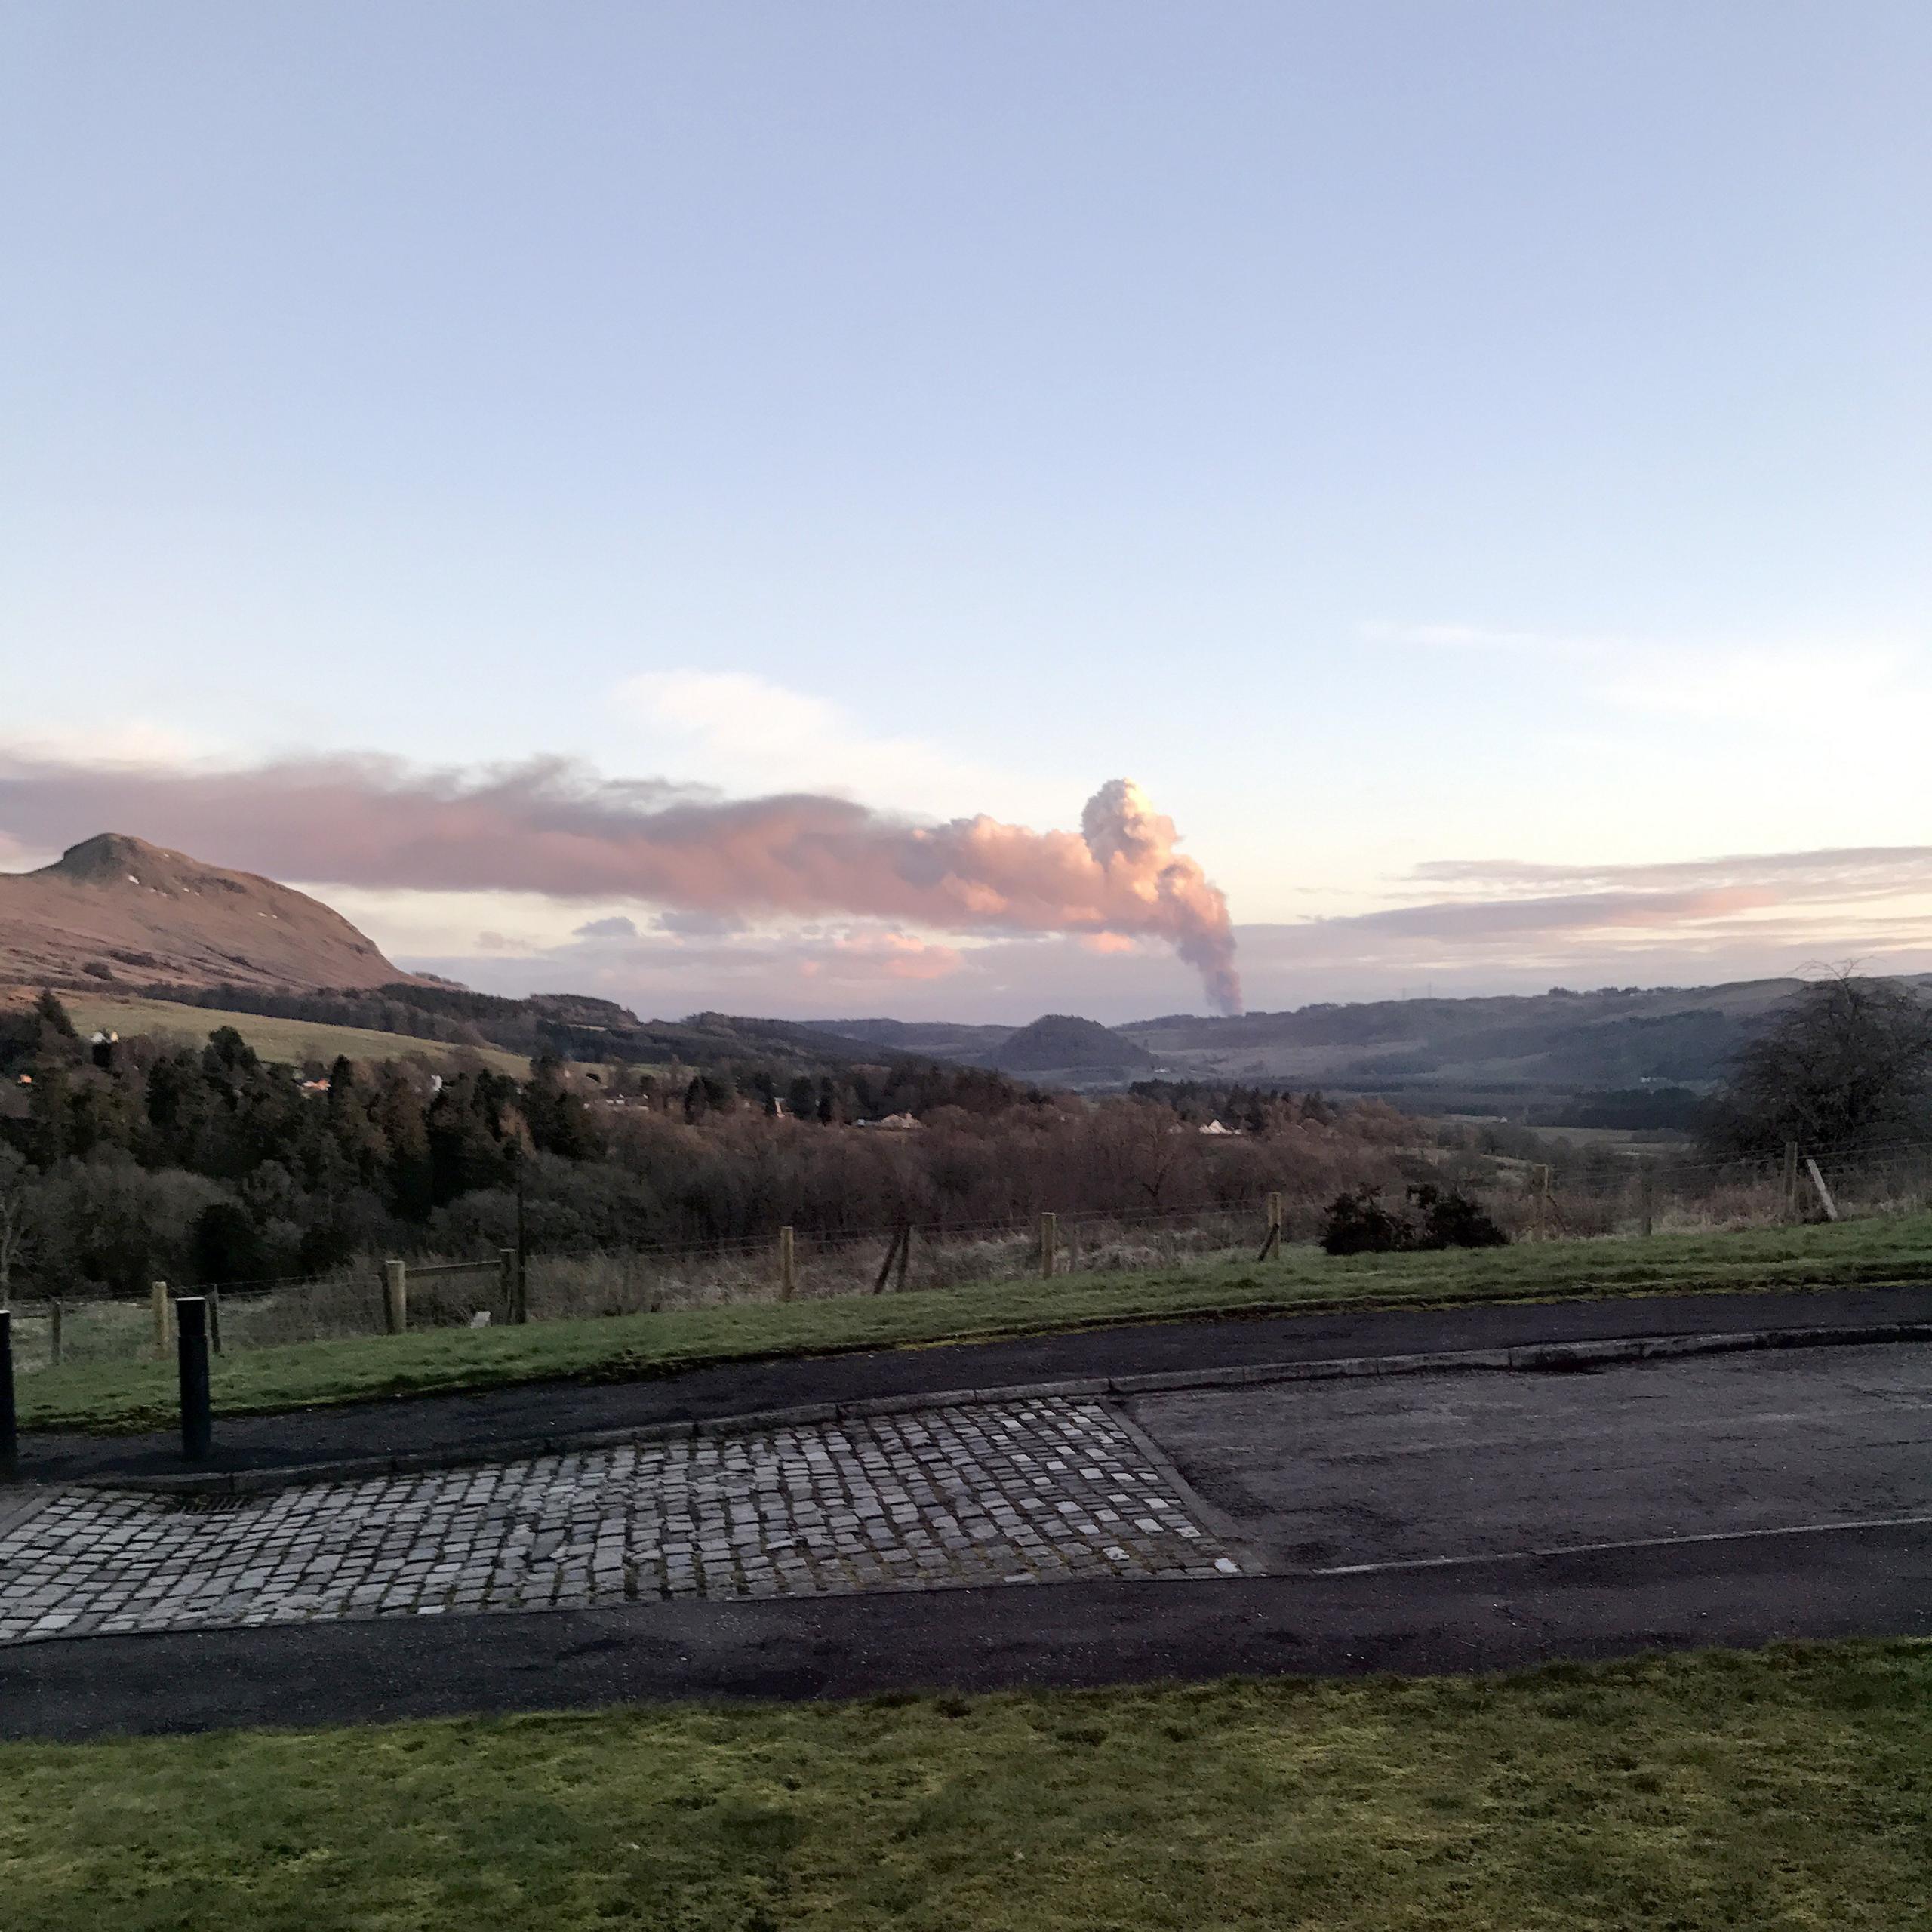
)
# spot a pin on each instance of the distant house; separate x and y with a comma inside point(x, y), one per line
point(893, 1123)
point(1215, 1127)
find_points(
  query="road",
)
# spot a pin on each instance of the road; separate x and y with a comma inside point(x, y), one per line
point(1323, 1474)
point(1430, 1522)
point(463, 1425)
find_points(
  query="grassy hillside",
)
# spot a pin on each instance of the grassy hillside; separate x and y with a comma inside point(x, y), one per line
point(1791, 1787)
point(292, 1040)
point(122, 1396)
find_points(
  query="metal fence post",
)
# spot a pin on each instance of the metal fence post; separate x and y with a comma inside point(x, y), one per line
point(1049, 1243)
point(788, 1259)
point(10, 1439)
point(395, 1296)
point(159, 1293)
point(192, 1349)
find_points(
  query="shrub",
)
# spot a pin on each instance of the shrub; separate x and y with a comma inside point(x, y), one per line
point(1357, 1223)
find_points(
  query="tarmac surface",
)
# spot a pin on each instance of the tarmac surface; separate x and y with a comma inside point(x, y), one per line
point(1427, 1522)
point(461, 1425)
point(1494, 1615)
point(1325, 1473)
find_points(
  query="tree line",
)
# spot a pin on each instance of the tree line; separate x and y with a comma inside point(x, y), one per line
point(125, 1161)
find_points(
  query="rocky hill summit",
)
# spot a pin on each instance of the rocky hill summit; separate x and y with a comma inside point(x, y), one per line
point(116, 910)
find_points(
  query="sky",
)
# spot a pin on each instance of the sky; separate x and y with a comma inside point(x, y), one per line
point(690, 502)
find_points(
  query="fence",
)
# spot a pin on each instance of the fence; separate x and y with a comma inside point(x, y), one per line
point(1619, 1195)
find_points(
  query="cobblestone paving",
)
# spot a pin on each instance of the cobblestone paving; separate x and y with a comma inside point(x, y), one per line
point(1032, 1492)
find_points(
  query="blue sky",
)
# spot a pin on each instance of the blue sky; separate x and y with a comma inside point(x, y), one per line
point(1406, 439)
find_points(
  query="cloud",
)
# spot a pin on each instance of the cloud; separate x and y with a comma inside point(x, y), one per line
point(1803, 685)
point(617, 927)
point(558, 828)
point(757, 736)
point(1838, 874)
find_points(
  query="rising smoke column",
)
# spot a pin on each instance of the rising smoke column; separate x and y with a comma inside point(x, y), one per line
point(552, 827)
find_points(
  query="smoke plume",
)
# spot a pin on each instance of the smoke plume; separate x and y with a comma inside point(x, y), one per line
point(552, 827)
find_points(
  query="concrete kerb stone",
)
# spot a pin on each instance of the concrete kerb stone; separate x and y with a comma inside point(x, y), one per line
point(1538, 1358)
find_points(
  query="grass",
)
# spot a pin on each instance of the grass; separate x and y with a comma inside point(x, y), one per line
point(1889, 1251)
point(1790, 1788)
point(294, 1041)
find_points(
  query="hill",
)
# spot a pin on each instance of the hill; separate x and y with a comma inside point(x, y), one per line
point(1620, 1056)
point(1058, 1043)
point(117, 910)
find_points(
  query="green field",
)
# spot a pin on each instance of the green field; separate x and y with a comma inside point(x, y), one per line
point(294, 1041)
point(1791, 1788)
point(1889, 1251)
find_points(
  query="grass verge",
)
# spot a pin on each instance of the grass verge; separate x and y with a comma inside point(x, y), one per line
point(107, 1397)
point(1788, 1788)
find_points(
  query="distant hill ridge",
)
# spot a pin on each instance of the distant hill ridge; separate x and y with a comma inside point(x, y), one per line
point(114, 909)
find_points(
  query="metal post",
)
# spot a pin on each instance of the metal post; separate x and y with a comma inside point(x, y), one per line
point(159, 1293)
point(192, 1350)
point(395, 1296)
point(10, 1439)
point(788, 1264)
point(1049, 1242)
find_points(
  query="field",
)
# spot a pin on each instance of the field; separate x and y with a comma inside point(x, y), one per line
point(104, 1396)
point(294, 1041)
point(1788, 1788)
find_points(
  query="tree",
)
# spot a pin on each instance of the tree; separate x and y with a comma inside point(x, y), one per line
point(1845, 1059)
point(15, 1229)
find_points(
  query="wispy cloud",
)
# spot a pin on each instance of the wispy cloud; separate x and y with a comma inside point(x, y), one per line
point(751, 734)
point(1805, 683)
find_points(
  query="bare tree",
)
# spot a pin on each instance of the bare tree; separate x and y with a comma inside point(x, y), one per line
point(1846, 1060)
point(14, 1230)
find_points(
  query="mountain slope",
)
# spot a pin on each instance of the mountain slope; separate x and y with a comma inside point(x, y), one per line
point(117, 908)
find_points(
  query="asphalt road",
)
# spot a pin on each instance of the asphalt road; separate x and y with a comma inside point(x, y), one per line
point(1324, 1473)
point(1494, 1615)
point(462, 1425)
point(1508, 1519)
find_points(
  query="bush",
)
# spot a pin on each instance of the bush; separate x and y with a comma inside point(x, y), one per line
point(1357, 1223)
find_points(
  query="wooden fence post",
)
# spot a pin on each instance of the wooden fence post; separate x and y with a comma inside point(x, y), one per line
point(1830, 1206)
point(1271, 1241)
point(213, 1297)
point(1049, 1243)
point(55, 1313)
point(788, 1263)
point(1649, 1199)
point(163, 1329)
point(905, 1256)
point(1791, 1180)
point(1073, 1247)
point(395, 1296)
point(516, 1293)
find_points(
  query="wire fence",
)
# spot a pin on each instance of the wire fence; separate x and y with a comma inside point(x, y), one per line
point(1616, 1194)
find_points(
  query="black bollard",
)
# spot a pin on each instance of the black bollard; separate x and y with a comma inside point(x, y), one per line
point(191, 1341)
point(10, 1439)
